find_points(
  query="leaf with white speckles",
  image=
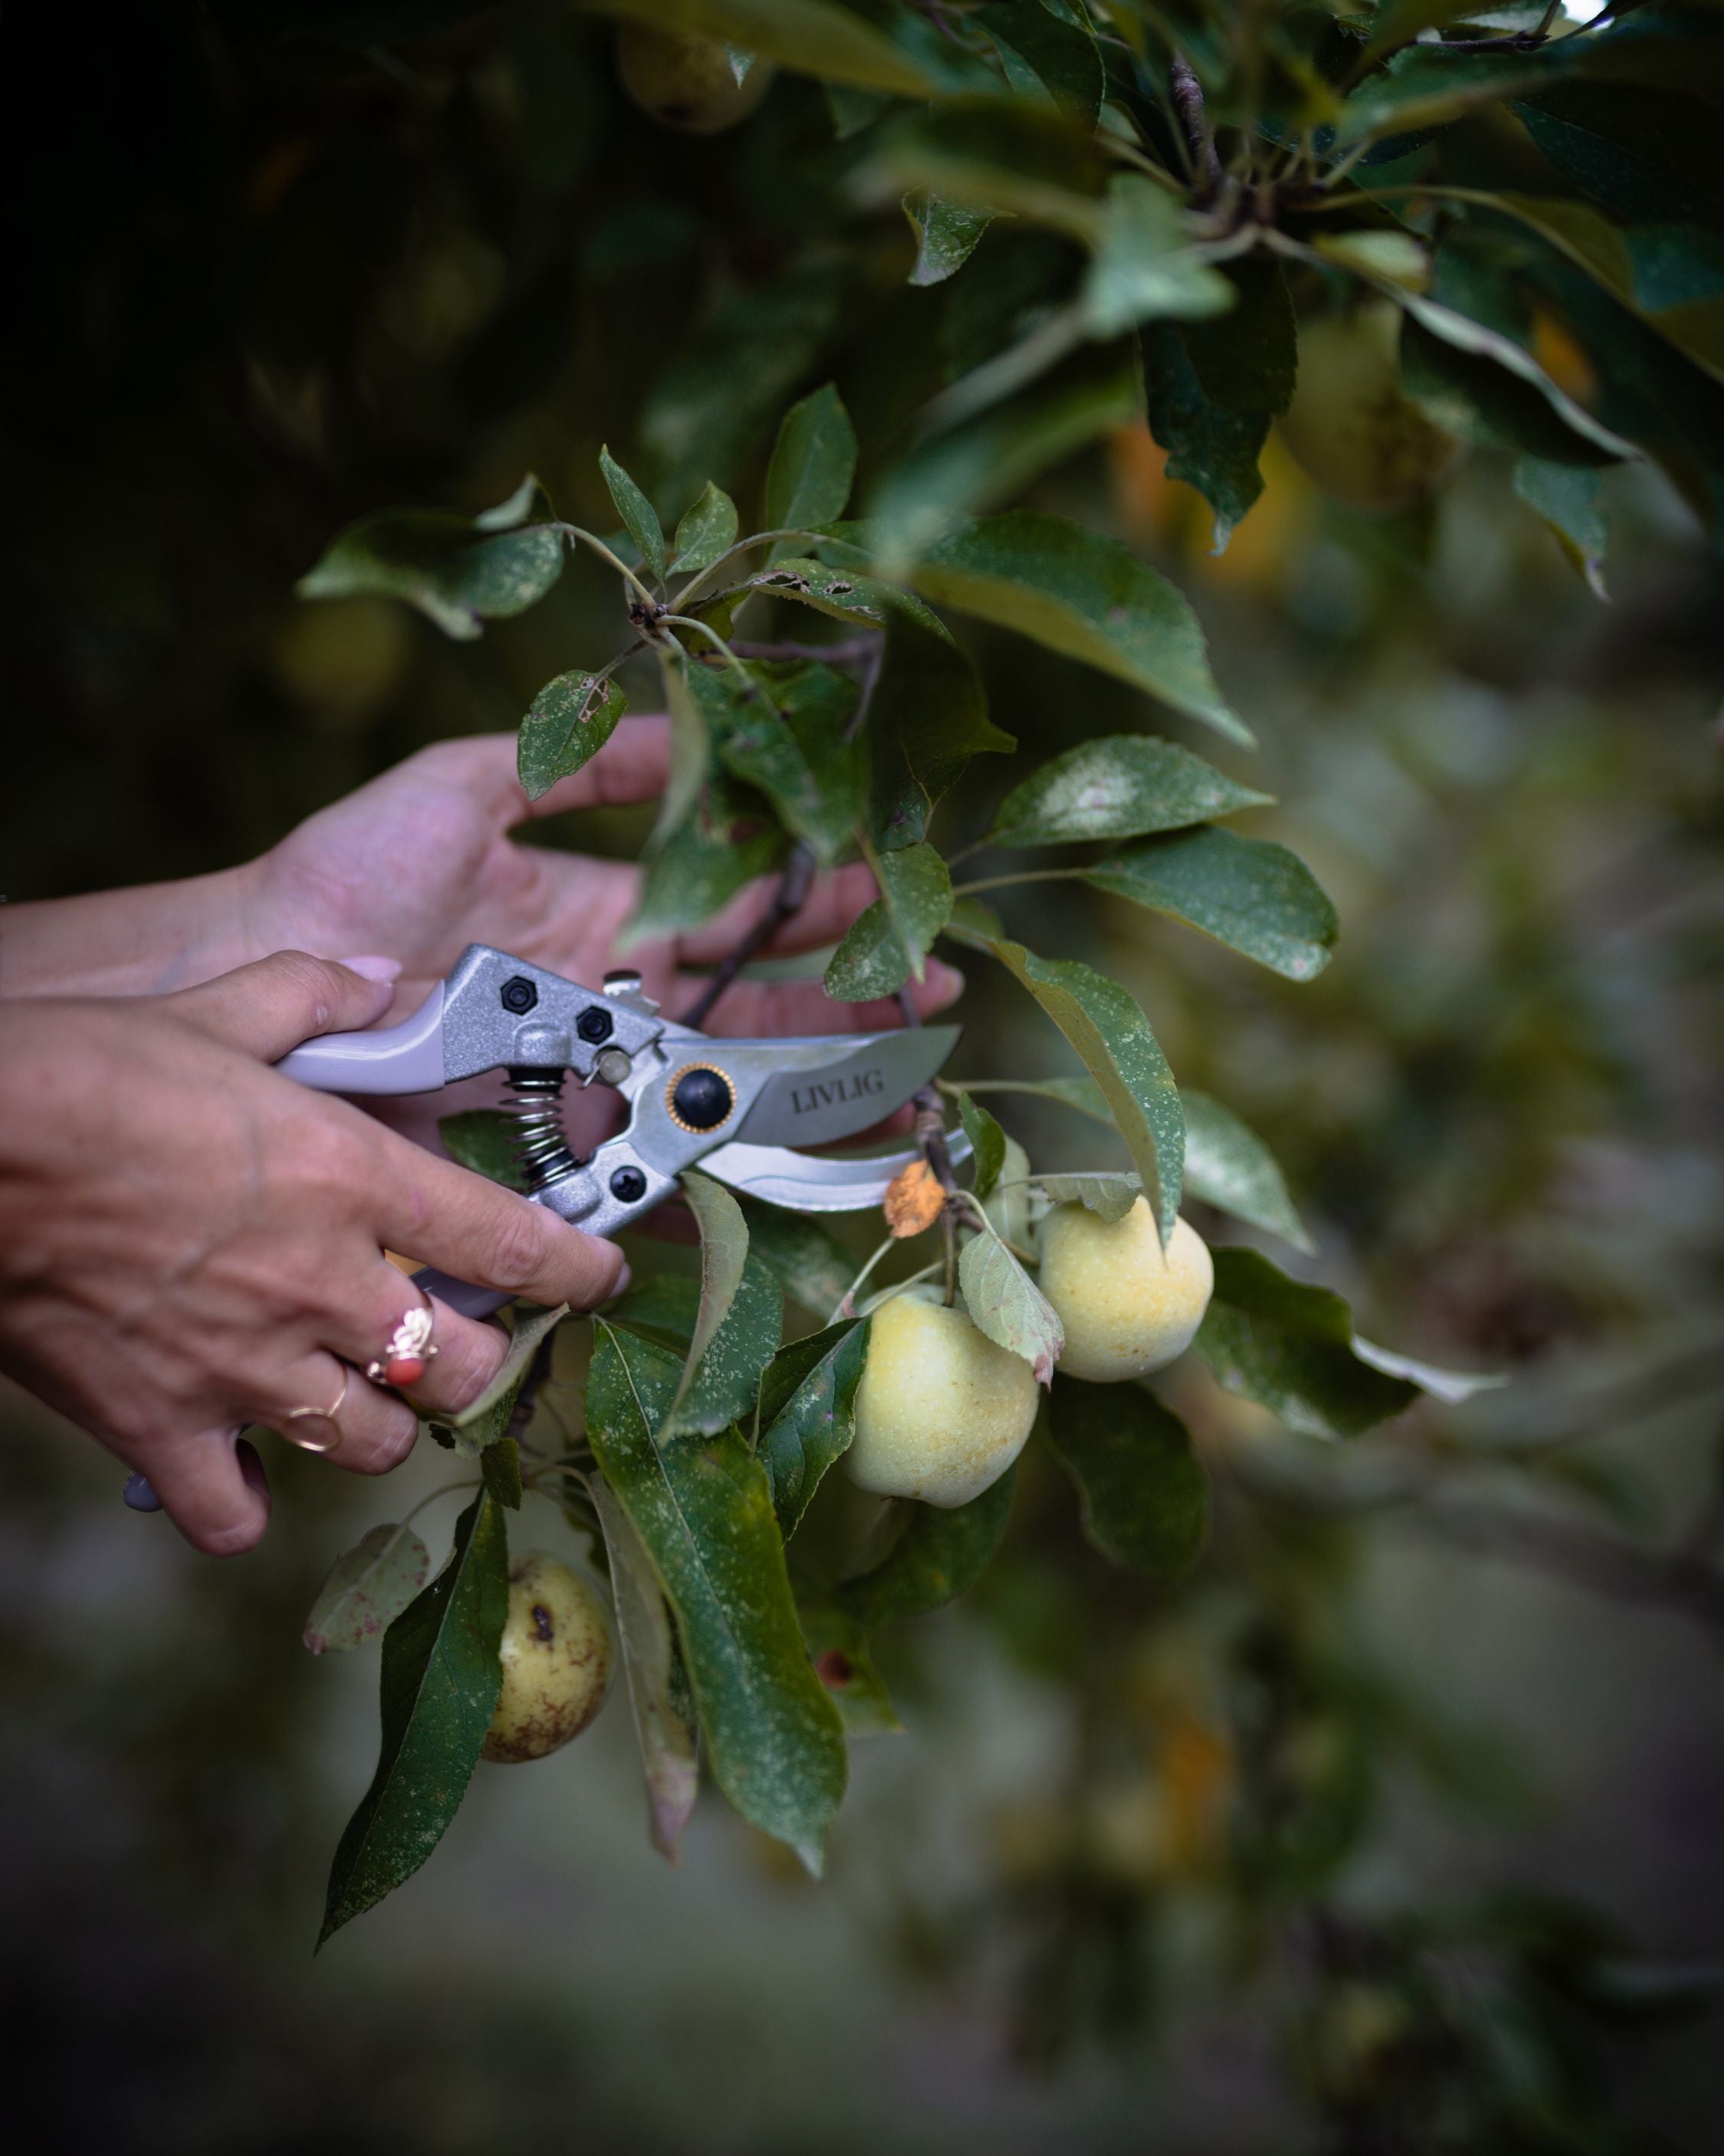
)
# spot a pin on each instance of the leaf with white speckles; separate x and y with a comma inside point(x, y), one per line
point(1250, 894)
point(367, 1588)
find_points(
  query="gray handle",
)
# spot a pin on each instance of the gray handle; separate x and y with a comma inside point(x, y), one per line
point(395, 1059)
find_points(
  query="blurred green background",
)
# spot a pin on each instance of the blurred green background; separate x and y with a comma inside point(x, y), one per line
point(1393, 1830)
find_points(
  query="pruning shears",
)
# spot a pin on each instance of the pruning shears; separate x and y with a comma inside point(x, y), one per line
point(745, 1111)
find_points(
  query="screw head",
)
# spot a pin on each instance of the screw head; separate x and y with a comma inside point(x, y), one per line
point(595, 1025)
point(518, 995)
point(627, 1184)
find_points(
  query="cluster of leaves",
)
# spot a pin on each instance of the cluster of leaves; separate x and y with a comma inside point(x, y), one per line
point(1121, 215)
point(697, 1438)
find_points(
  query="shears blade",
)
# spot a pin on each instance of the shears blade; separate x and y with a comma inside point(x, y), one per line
point(818, 1090)
point(781, 1176)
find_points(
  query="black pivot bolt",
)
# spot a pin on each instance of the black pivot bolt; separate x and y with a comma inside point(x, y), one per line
point(627, 1184)
point(518, 995)
point(595, 1024)
point(702, 1098)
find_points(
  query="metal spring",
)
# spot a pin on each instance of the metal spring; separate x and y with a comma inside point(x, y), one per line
point(541, 1146)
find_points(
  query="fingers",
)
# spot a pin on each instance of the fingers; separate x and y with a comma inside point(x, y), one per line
point(373, 1429)
point(478, 1231)
point(468, 1352)
point(271, 1006)
point(830, 907)
point(633, 765)
point(213, 1487)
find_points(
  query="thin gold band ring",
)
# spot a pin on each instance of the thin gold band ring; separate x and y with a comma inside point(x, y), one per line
point(308, 1442)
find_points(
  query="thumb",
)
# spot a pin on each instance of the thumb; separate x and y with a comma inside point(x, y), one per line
point(268, 1007)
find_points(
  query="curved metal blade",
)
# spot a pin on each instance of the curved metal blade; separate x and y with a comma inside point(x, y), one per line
point(783, 1177)
point(818, 1092)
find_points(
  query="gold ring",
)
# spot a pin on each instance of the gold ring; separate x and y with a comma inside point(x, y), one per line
point(410, 1348)
point(318, 1415)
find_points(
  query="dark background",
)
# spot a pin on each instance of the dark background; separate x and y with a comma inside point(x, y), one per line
point(259, 282)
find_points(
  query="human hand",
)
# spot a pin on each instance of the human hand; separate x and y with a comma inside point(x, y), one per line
point(190, 1242)
point(420, 864)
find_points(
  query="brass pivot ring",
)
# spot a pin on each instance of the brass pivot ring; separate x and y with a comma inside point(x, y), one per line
point(308, 1443)
point(410, 1348)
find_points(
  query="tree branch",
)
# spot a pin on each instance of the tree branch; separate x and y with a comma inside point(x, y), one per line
point(790, 899)
point(1187, 93)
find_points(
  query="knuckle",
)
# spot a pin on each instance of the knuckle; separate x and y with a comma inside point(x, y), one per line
point(520, 1247)
point(311, 983)
point(386, 1452)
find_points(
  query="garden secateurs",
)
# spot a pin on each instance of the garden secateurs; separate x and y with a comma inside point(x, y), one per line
point(742, 1110)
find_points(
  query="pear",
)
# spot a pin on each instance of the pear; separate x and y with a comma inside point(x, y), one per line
point(1128, 1307)
point(557, 1655)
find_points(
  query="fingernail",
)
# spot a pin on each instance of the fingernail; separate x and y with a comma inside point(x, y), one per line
point(620, 1282)
point(945, 980)
point(373, 969)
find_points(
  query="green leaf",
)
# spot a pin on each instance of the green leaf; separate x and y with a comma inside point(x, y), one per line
point(1006, 1304)
point(1119, 787)
point(813, 37)
point(1146, 1500)
point(1104, 1024)
point(1049, 51)
point(708, 529)
point(1006, 1205)
point(808, 1414)
point(1146, 267)
point(741, 1316)
point(500, 1470)
point(487, 1419)
point(729, 840)
point(1484, 386)
point(945, 234)
point(458, 571)
point(367, 1588)
point(691, 746)
point(844, 1666)
point(665, 1307)
point(1229, 1166)
point(703, 1507)
point(1109, 1193)
point(484, 1140)
point(1213, 387)
point(1567, 497)
point(1084, 595)
point(799, 755)
point(1643, 155)
point(570, 719)
point(440, 1682)
point(844, 594)
point(929, 717)
point(663, 1725)
point(1250, 894)
point(889, 941)
point(939, 1554)
point(637, 513)
point(995, 155)
point(809, 1264)
point(1290, 1348)
point(987, 1144)
point(813, 465)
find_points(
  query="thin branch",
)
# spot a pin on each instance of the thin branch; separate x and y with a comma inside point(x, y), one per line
point(1022, 875)
point(1188, 102)
point(845, 653)
point(680, 599)
point(605, 554)
point(790, 899)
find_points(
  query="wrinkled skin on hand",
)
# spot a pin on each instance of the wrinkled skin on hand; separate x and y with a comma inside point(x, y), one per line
point(189, 1241)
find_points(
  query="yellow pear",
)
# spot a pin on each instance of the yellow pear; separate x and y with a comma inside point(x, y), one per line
point(1127, 1306)
point(686, 82)
point(556, 1656)
point(941, 1411)
point(1351, 426)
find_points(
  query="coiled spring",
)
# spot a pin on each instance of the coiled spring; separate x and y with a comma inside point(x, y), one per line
point(541, 1146)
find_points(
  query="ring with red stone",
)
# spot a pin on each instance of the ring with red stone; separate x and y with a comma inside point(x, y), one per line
point(410, 1349)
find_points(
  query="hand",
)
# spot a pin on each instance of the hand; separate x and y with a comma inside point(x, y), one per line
point(420, 863)
point(190, 1242)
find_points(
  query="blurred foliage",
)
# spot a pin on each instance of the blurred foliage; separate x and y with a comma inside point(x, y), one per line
point(280, 266)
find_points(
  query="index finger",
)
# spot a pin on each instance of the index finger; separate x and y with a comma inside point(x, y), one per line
point(476, 1230)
